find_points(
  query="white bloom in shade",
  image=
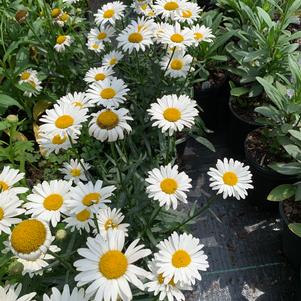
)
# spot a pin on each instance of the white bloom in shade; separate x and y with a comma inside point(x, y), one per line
point(82, 220)
point(135, 37)
point(172, 113)
point(110, 124)
point(9, 177)
point(102, 34)
point(112, 58)
point(180, 258)
point(178, 66)
point(9, 209)
point(30, 239)
point(168, 186)
point(63, 119)
point(35, 84)
point(66, 295)
point(77, 99)
point(54, 142)
point(168, 9)
point(144, 8)
point(109, 93)
point(108, 270)
point(62, 42)
point(109, 219)
point(110, 13)
point(89, 196)
point(75, 170)
point(36, 266)
point(231, 178)
point(175, 36)
point(189, 13)
point(28, 75)
point(202, 34)
point(98, 74)
point(170, 290)
point(95, 46)
point(48, 200)
point(12, 293)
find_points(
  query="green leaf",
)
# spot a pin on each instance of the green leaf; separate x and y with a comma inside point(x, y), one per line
point(7, 101)
point(290, 169)
point(295, 228)
point(298, 193)
point(205, 142)
point(295, 134)
point(281, 193)
point(265, 16)
point(239, 91)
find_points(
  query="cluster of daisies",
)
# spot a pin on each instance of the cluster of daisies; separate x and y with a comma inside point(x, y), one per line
point(30, 76)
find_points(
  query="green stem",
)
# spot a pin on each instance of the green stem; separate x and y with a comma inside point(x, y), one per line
point(172, 54)
point(63, 262)
point(96, 223)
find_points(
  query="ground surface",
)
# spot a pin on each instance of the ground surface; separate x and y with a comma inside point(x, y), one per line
point(243, 242)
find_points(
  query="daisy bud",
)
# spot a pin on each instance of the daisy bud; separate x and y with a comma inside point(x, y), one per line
point(12, 118)
point(60, 234)
point(21, 15)
point(15, 268)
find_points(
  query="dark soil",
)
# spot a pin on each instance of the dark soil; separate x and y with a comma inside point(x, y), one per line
point(292, 211)
point(216, 79)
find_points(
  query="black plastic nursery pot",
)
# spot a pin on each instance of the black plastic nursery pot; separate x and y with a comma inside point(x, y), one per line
point(291, 243)
point(214, 103)
point(239, 128)
point(264, 180)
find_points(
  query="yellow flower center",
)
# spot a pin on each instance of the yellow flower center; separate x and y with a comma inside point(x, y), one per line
point(100, 76)
point(28, 236)
point(91, 198)
point(109, 13)
point(64, 121)
point(57, 139)
point(83, 215)
point(135, 37)
point(198, 36)
point(95, 46)
point(64, 17)
point(3, 186)
point(176, 64)
point(107, 93)
point(60, 39)
point(169, 185)
point(113, 61)
point(107, 120)
point(171, 5)
point(113, 264)
point(177, 38)
point(172, 114)
point(186, 14)
point(55, 12)
point(78, 104)
point(110, 224)
point(161, 280)
point(101, 36)
point(53, 202)
point(1, 214)
point(25, 75)
point(230, 178)
point(32, 83)
point(75, 172)
point(181, 259)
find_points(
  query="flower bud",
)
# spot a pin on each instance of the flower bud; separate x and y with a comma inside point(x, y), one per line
point(60, 234)
point(15, 268)
point(12, 118)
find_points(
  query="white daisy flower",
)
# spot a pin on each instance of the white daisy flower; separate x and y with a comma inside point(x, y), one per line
point(178, 66)
point(77, 99)
point(168, 9)
point(28, 75)
point(174, 36)
point(9, 177)
point(74, 170)
point(30, 239)
point(102, 34)
point(143, 8)
point(95, 46)
point(231, 178)
point(70, 1)
point(109, 93)
point(63, 119)
point(172, 113)
point(170, 290)
point(35, 83)
point(110, 13)
point(98, 74)
point(202, 34)
point(82, 220)
point(180, 258)
point(61, 18)
point(112, 58)
point(110, 124)
point(62, 42)
point(12, 293)
point(9, 209)
point(109, 219)
point(168, 186)
point(107, 269)
point(48, 200)
point(54, 142)
point(36, 267)
point(66, 295)
point(92, 196)
point(189, 13)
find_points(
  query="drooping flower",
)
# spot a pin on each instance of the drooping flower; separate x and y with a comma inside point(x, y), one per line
point(62, 41)
point(112, 58)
